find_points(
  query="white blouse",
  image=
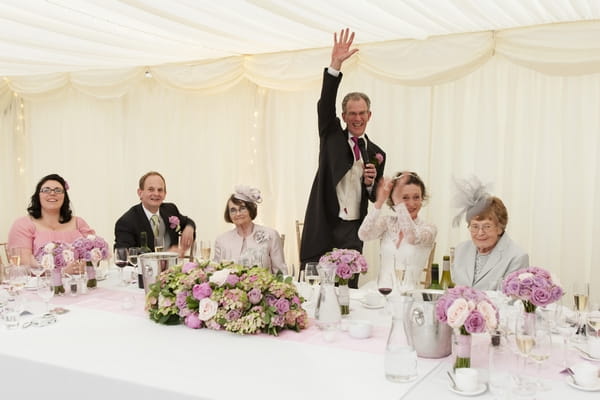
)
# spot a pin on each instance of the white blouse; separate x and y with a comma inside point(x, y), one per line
point(410, 253)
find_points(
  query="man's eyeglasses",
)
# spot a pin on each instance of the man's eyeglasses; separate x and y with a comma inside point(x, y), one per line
point(48, 190)
point(240, 210)
point(486, 228)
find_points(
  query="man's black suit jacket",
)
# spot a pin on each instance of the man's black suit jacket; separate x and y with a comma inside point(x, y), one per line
point(335, 159)
point(135, 221)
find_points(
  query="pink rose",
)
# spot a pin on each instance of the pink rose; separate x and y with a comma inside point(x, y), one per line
point(192, 321)
point(207, 309)
point(457, 313)
point(489, 314)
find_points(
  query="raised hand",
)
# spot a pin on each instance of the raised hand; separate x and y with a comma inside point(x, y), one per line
point(384, 188)
point(341, 48)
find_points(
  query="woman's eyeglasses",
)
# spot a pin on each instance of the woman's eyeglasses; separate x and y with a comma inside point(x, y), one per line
point(48, 190)
point(487, 228)
point(240, 210)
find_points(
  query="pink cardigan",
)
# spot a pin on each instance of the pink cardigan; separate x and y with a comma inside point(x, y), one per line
point(23, 234)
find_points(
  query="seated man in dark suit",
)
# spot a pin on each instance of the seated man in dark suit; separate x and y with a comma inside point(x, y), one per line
point(157, 219)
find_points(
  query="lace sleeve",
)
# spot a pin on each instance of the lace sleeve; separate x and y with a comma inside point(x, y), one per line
point(373, 226)
point(416, 232)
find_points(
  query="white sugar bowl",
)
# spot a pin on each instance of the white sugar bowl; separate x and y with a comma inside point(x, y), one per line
point(360, 329)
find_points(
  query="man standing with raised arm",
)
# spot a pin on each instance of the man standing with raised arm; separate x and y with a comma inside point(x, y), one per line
point(349, 166)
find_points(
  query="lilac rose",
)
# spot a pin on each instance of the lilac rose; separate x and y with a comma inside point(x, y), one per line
point(232, 279)
point(282, 306)
point(188, 266)
point(254, 296)
point(344, 271)
point(475, 322)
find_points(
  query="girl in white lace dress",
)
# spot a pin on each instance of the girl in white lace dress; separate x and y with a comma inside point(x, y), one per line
point(406, 239)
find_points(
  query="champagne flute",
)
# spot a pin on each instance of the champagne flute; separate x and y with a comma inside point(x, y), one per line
point(524, 341)
point(159, 244)
point(566, 325)
point(581, 292)
point(540, 352)
point(132, 256)
point(14, 256)
point(121, 259)
point(205, 249)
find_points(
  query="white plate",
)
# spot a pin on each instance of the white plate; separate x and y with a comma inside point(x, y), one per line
point(481, 388)
point(572, 383)
point(372, 306)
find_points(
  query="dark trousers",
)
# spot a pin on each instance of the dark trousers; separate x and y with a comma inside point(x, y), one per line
point(345, 236)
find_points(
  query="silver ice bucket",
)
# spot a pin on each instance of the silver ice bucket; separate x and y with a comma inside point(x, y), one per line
point(153, 264)
point(431, 338)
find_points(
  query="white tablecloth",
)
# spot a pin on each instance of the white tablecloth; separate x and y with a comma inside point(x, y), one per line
point(98, 350)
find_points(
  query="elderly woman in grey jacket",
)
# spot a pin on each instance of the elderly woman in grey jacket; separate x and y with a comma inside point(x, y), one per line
point(491, 254)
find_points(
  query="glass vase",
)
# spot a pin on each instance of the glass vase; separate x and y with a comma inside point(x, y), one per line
point(90, 269)
point(57, 283)
point(462, 349)
point(344, 298)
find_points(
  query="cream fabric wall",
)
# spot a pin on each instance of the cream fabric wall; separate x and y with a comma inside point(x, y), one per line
point(459, 105)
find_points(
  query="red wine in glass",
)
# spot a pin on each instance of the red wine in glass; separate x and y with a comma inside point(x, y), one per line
point(385, 290)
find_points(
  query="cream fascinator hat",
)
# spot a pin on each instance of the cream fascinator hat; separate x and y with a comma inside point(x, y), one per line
point(247, 193)
point(471, 198)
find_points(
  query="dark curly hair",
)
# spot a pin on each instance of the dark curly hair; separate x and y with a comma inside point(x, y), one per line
point(35, 207)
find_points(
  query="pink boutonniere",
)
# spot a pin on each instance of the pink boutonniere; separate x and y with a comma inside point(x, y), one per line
point(377, 160)
point(174, 223)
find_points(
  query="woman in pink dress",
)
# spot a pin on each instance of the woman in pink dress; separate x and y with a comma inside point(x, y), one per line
point(49, 219)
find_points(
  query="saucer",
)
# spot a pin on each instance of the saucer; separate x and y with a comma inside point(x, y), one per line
point(571, 382)
point(585, 355)
point(481, 388)
point(372, 306)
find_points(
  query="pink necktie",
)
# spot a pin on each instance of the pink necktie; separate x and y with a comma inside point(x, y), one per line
point(356, 149)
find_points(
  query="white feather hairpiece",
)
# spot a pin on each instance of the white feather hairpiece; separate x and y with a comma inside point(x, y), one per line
point(471, 197)
point(247, 193)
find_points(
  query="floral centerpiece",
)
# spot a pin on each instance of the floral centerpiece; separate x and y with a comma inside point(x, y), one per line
point(239, 299)
point(91, 249)
point(467, 311)
point(54, 256)
point(347, 263)
point(534, 286)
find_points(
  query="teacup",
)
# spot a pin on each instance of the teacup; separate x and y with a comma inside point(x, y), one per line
point(586, 374)
point(360, 329)
point(372, 299)
point(466, 379)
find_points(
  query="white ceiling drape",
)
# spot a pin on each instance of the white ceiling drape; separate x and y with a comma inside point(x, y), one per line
point(518, 107)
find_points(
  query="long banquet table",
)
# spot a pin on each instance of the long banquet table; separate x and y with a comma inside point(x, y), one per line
point(100, 349)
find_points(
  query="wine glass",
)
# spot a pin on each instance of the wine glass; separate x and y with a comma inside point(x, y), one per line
point(45, 290)
point(121, 259)
point(385, 279)
point(593, 322)
point(311, 275)
point(133, 254)
point(36, 270)
point(540, 352)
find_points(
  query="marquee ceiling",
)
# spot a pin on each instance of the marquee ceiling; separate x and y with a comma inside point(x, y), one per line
point(39, 37)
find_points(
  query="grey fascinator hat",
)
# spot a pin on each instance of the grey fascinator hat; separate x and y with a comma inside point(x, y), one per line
point(247, 193)
point(471, 197)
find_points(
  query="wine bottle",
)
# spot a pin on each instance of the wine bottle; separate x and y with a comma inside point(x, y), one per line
point(143, 249)
point(446, 281)
point(435, 277)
